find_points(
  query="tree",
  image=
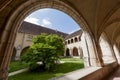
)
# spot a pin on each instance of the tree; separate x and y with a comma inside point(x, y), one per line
point(46, 49)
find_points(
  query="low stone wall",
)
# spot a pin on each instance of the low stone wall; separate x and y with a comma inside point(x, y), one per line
point(101, 73)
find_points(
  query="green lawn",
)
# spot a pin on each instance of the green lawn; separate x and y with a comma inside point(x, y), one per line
point(71, 64)
point(17, 65)
point(72, 60)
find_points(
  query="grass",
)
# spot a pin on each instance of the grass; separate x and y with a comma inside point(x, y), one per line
point(60, 69)
point(72, 60)
point(17, 65)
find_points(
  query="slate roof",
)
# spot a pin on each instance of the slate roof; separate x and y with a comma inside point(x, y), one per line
point(30, 28)
point(76, 33)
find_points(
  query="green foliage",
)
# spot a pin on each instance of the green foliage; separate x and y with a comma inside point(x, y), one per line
point(46, 49)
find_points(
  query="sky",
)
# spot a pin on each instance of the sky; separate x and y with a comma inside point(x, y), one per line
point(54, 19)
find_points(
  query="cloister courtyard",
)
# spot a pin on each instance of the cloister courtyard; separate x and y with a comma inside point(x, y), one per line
point(90, 53)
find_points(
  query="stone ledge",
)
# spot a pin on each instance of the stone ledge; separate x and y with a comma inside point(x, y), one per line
point(76, 75)
point(101, 73)
point(91, 73)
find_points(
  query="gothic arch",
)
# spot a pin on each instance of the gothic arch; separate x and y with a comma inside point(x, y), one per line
point(16, 16)
point(19, 13)
point(24, 50)
point(75, 51)
point(107, 21)
point(67, 52)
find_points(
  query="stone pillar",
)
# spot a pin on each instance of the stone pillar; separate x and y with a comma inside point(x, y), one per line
point(64, 52)
point(4, 74)
point(6, 49)
point(71, 52)
point(93, 51)
point(17, 57)
point(117, 53)
point(99, 53)
point(113, 54)
point(79, 52)
point(18, 51)
point(85, 51)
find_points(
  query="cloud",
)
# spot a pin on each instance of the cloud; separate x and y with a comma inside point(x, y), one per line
point(32, 20)
point(43, 22)
point(46, 23)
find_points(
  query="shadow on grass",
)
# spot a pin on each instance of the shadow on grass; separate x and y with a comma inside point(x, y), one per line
point(68, 67)
point(59, 70)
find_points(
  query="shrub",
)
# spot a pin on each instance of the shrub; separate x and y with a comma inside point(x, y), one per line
point(46, 49)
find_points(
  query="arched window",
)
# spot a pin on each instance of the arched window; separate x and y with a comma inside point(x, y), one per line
point(79, 38)
point(76, 40)
point(71, 40)
point(68, 41)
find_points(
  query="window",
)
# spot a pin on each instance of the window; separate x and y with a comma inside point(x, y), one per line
point(30, 37)
point(68, 41)
point(76, 40)
point(71, 40)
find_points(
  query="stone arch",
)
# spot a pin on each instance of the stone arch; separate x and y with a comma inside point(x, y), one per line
point(108, 18)
point(67, 52)
point(23, 10)
point(24, 50)
point(114, 26)
point(75, 51)
point(107, 53)
point(16, 16)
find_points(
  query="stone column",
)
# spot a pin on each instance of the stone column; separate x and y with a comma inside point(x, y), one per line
point(17, 57)
point(64, 52)
point(6, 49)
point(92, 51)
point(79, 51)
point(99, 54)
point(117, 53)
point(113, 54)
point(71, 52)
point(85, 51)
point(18, 51)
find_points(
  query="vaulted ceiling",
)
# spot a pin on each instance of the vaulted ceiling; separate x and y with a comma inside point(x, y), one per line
point(100, 15)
